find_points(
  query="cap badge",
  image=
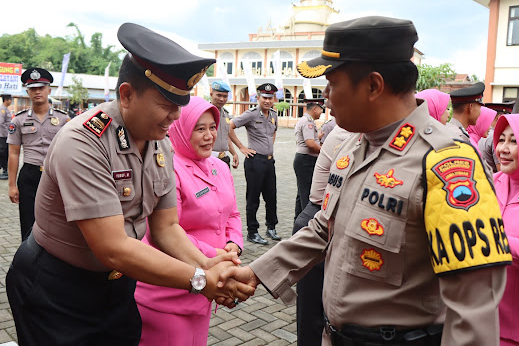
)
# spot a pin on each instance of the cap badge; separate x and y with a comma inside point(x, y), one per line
point(161, 161)
point(387, 180)
point(343, 162)
point(122, 137)
point(35, 75)
point(310, 72)
point(371, 259)
point(54, 121)
point(196, 78)
point(268, 87)
point(403, 137)
point(372, 226)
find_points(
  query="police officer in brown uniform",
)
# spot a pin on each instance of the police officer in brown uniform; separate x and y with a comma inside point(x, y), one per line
point(466, 108)
point(308, 147)
point(108, 172)
point(5, 120)
point(325, 130)
point(223, 144)
point(260, 173)
point(34, 129)
point(410, 227)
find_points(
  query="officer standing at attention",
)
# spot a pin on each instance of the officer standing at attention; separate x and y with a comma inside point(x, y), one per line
point(308, 148)
point(410, 227)
point(34, 129)
point(260, 173)
point(107, 172)
point(223, 144)
point(325, 130)
point(466, 108)
point(5, 119)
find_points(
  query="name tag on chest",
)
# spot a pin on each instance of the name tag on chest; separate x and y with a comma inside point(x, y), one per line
point(122, 175)
point(202, 192)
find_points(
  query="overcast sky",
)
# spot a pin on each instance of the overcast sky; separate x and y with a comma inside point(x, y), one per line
point(450, 31)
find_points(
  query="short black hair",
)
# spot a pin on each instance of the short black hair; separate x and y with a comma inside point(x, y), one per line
point(310, 106)
point(133, 74)
point(459, 107)
point(399, 76)
point(6, 98)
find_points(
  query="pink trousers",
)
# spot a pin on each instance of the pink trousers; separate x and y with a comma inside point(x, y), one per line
point(166, 329)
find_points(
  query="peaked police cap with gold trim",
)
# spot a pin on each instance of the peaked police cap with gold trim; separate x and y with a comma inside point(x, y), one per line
point(172, 69)
point(370, 39)
point(472, 94)
point(36, 77)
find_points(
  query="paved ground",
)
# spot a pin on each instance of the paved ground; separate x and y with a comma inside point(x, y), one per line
point(260, 320)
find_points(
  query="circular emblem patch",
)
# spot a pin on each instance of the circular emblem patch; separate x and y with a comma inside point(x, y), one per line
point(12, 128)
point(371, 260)
point(343, 162)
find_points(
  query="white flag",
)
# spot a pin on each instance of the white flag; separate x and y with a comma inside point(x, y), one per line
point(205, 85)
point(64, 67)
point(278, 77)
point(222, 72)
point(247, 68)
point(107, 82)
point(307, 87)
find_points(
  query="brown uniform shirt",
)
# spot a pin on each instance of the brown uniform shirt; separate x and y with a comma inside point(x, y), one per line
point(222, 138)
point(5, 120)
point(260, 130)
point(385, 276)
point(34, 135)
point(87, 177)
point(305, 129)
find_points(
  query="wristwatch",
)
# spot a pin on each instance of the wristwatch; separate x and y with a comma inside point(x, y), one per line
point(198, 281)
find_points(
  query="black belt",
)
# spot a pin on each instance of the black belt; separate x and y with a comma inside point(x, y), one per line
point(32, 167)
point(63, 268)
point(261, 156)
point(353, 335)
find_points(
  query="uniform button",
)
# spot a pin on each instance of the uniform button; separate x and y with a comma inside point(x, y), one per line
point(428, 131)
point(213, 188)
point(218, 232)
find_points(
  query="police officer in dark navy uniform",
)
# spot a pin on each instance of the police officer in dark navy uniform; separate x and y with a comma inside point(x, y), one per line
point(33, 129)
point(261, 123)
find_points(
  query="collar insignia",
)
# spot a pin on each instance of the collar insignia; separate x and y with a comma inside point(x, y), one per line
point(387, 180)
point(122, 138)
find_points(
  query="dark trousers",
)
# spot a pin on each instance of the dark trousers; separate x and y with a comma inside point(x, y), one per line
point(28, 181)
point(310, 311)
point(55, 303)
point(227, 160)
point(4, 153)
point(304, 168)
point(260, 175)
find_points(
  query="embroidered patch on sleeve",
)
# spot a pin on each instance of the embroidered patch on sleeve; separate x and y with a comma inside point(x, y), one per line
point(402, 137)
point(98, 123)
point(465, 230)
point(12, 128)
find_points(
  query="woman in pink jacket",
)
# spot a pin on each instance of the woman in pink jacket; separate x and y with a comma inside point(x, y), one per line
point(483, 124)
point(507, 190)
point(206, 204)
point(437, 102)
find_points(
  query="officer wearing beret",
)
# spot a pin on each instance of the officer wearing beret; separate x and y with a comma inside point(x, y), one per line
point(486, 145)
point(466, 108)
point(107, 174)
point(223, 144)
point(260, 173)
point(5, 119)
point(308, 148)
point(410, 227)
point(34, 129)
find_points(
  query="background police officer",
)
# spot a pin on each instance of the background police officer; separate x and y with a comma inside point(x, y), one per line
point(223, 144)
point(327, 127)
point(5, 119)
point(308, 147)
point(466, 108)
point(261, 123)
point(33, 129)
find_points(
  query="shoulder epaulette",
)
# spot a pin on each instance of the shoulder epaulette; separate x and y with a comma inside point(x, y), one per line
point(60, 110)
point(327, 121)
point(98, 123)
point(20, 112)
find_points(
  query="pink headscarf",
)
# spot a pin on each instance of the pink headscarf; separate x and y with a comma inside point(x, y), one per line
point(502, 123)
point(482, 125)
point(180, 131)
point(437, 101)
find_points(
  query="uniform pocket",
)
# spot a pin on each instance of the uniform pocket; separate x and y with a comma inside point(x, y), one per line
point(162, 186)
point(29, 129)
point(125, 190)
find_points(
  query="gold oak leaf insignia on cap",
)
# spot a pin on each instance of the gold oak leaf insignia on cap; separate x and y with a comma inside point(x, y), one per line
point(311, 72)
point(196, 78)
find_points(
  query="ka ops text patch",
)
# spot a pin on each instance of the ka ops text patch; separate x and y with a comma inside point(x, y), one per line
point(462, 216)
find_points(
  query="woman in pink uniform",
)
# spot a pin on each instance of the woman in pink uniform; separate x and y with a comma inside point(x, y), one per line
point(437, 102)
point(507, 190)
point(207, 210)
point(483, 124)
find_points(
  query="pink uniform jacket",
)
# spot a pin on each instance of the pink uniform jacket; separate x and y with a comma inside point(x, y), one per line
point(209, 217)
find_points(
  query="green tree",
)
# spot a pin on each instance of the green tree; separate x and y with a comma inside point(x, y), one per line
point(281, 107)
point(78, 93)
point(430, 77)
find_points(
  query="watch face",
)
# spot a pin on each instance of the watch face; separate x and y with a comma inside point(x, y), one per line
point(198, 282)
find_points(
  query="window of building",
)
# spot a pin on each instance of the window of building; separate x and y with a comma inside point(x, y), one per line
point(227, 59)
point(256, 61)
point(513, 27)
point(287, 64)
point(510, 94)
